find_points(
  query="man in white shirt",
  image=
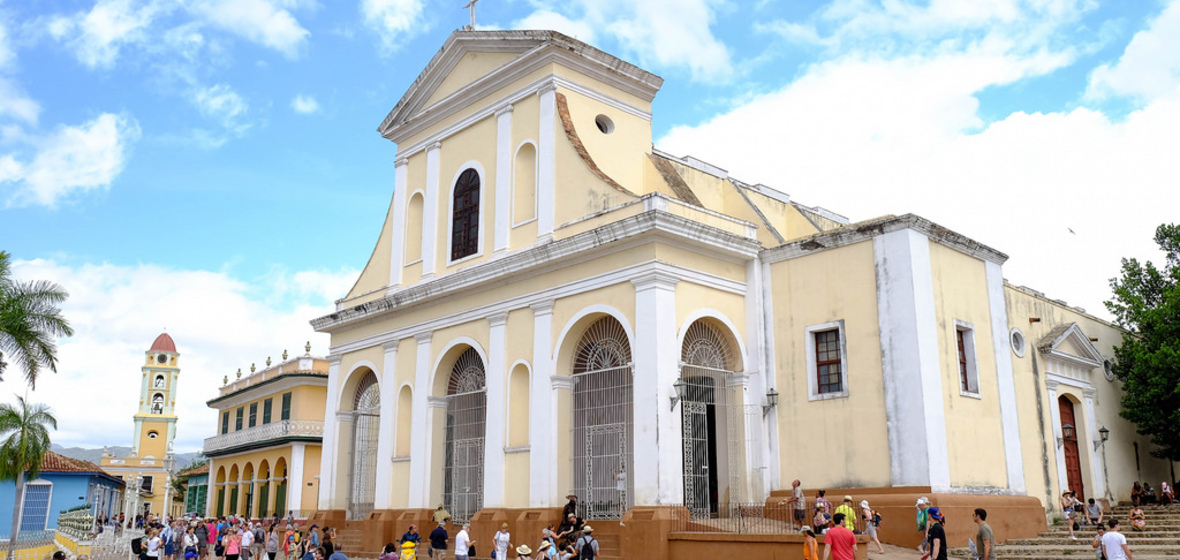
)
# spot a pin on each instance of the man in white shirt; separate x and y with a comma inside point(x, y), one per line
point(247, 542)
point(463, 542)
point(1114, 544)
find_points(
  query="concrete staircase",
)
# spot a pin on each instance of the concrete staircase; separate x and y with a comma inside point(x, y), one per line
point(1159, 541)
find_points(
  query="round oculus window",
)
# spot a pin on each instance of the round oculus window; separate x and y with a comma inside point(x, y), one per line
point(1108, 370)
point(153, 435)
point(604, 124)
point(162, 359)
point(1018, 343)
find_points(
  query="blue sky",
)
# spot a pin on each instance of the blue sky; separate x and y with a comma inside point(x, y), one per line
point(212, 166)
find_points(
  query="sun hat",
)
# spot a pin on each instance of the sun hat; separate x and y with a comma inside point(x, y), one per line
point(922, 501)
point(864, 503)
point(587, 529)
point(805, 528)
point(821, 505)
point(847, 498)
point(524, 549)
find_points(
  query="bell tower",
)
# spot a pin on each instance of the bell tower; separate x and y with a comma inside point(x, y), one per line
point(155, 421)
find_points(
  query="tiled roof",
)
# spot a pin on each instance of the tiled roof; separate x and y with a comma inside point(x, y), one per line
point(196, 471)
point(62, 464)
point(163, 342)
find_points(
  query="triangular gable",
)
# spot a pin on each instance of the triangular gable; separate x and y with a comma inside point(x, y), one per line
point(1068, 342)
point(506, 52)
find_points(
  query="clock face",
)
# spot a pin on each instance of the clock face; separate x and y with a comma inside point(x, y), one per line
point(162, 359)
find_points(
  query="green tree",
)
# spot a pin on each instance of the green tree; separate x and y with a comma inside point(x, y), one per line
point(30, 322)
point(26, 440)
point(1146, 304)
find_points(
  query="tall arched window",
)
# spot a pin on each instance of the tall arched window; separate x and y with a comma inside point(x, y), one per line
point(524, 184)
point(414, 228)
point(465, 216)
point(466, 420)
point(712, 422)
point(602, 453)
point(157, 403)
point(366, 419)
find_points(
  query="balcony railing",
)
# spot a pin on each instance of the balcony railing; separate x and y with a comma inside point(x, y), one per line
point(265, 432)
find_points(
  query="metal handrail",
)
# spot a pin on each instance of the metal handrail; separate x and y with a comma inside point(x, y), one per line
point(274, 430)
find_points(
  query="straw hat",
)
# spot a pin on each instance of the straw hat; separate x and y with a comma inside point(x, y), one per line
point(524, 549)
point(587, 529)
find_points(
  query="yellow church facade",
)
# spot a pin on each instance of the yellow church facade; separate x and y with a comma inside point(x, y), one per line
point(265, 459)
point(154, 432)
point(555, 307)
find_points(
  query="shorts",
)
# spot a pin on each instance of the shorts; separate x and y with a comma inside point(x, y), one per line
point(799, 516)
point(871, 530)
point(168, 549)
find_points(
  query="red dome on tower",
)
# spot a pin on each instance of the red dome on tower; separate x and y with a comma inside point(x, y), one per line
point(164, 343)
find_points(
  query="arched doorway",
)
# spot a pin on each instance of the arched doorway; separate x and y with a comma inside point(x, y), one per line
point(466, 420)
point(362, 476)
point(602, 425)
point(711, 423)
point(1069, 447)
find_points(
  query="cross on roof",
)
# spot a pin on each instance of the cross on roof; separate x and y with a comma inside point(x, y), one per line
point(471, 5)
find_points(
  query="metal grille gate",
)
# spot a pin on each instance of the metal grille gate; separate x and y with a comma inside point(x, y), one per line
point(602, 449)
point(466, 423)
point(366, 420)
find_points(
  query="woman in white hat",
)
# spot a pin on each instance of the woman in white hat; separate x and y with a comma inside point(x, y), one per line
point(523, 551)
point(922, 521)
point(870, 519)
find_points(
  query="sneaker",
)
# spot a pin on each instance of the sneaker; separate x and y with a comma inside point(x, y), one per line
point(1073, 537)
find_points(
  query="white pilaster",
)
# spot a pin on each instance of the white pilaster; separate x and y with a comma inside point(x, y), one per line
point(658, 469)
point(295, 481)
point(331, 442)
point(398, 242)
point(1005, 382)
point(386, 429)
point(761, 373)
point(493, 481)
point(1086, 445)
point(546, 162)
point(430, 211)
point(542, 433)
point(419, 424)
point(1059, 451)
point(909, 351)
point(503, 180)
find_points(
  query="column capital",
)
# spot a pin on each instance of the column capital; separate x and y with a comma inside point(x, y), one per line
point(424, 337)
point(543, 307)
point(503, 110)
point(435, 146)
point(561, 382)
point(1089, 392)
point(656, 279)
point(334, 359)
point(390, 347)
point(401, 161)
point(1051, 385)
point(498, 319)
point(436, 402)
point(547, 87)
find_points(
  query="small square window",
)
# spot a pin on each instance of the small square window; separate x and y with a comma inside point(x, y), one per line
point(827, 361)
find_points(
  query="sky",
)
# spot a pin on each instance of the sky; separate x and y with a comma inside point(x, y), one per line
point(211, 168)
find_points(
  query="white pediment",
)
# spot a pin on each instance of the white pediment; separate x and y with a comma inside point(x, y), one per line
point(1070, 344)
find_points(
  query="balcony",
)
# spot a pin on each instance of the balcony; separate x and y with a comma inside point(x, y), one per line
point(267, 432)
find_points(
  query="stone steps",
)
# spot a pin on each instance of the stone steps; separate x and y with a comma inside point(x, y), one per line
point(1161, 539)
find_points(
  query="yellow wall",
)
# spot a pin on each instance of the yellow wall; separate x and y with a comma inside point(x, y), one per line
point(471, 67)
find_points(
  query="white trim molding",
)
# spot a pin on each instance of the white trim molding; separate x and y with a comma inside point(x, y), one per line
point(968, 331)
point(813, 393)
point(1005, 380)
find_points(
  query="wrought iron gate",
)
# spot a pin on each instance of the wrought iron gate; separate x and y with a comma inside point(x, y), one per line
point(466, 424)
point(602, 450)
point(366, 422)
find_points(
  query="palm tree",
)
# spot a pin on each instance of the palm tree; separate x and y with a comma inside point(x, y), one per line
point(30, 322)
point(22, 450)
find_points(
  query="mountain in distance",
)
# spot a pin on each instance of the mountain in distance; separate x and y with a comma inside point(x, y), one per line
point(183, 460)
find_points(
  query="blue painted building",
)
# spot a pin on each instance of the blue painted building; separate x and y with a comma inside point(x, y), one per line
point(63, 483)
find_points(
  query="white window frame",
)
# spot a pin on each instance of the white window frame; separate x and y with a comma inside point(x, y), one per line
point(25, 498)
point(813, 393)
point(450, 216)
point(149, 480)
point(972, 358)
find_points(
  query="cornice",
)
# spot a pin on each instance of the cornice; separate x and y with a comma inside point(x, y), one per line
point(867, 230)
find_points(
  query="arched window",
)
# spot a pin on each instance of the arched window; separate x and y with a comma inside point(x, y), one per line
point(414, 228)
point(524, 184)
point(711, 421)
point(405, 408)
point(366, 413)
point(466, 420)
point(157, 403)
point(465, 216)
point(159, 382)
point(602, 450)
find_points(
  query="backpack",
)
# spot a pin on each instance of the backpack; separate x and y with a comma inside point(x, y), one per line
point(876, 518)
point(587, 552)
point(137, 546)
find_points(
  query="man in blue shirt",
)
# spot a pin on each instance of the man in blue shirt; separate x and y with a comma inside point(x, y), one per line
point(410, 536)
point(438, 542)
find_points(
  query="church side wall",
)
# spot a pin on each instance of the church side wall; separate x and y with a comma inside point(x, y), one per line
point(832, 442)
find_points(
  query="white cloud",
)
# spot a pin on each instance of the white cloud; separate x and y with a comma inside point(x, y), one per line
point(96, 36)
point(304, 104)
point(14, 103)
point(394, 21)
point(70, 160)
point(218, 322)
point(670, 33)
point(223, 104)
point(1150, 65)
point(260, 21)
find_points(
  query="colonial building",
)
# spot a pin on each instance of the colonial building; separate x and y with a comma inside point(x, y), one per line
point(265, 458)
point(196, 489)
point(155, 429)
point(553, 306)
point(62, 484)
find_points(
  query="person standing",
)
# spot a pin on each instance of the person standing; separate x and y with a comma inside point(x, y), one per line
point(1114, 543)
point(587, 545)
point(935, 535)
point(502, 541)
point(272, 542)
point(438, 542)
point(247, 542)
point(463, 542)
point(870, 518)
point(1096, 544)
point(849, 514)
point(1068, 502)
point(153, 544)
point(985, 540)
point(922, 520)
point(339, 554)
point(233, 544)
point(839, 541)
point(810, 551)
point(797, 503)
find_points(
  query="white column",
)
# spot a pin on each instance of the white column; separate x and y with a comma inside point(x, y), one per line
point(419, 426)
point(546, 162)
point(909, 359)
point(1086, 445)
point(295, 481)
point(542, 431)
point(1005, 382)
point(386, 429)
point(398, 242)
point(761, 376)
point(503, 179)
point(1058, 450)
point(430, 211)
point(331, 437)
point(493, 481)
point(657, 471)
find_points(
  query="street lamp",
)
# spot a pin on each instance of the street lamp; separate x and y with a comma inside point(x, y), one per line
point(1103, 436)
point(681, 391)
point(771, 401)
point(169, 464)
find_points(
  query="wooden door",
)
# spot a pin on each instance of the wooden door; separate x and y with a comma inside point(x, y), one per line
point(1073, 464)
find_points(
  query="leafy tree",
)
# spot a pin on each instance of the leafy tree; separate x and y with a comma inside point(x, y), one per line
point(1146, 304)
point(26, 440)
point(30, 322)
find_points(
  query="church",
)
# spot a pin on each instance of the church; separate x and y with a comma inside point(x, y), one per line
point(556, 307)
